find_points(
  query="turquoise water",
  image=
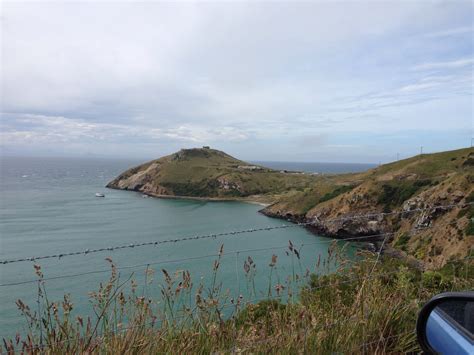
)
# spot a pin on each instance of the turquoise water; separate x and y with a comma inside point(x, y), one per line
point(48, 206)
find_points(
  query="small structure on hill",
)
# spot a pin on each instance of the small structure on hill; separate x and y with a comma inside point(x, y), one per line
point(249, 167)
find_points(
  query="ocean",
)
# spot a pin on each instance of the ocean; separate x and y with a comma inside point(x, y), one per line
point(48, 206)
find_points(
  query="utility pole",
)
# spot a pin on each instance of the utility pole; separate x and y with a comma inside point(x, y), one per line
point(472, 140)
point(421, 150)
point(398, 156)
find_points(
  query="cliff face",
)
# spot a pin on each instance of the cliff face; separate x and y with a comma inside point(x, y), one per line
point(404, 191)
point(207, 173)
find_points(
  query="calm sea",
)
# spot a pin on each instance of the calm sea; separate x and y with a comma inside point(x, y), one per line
point(48, 206)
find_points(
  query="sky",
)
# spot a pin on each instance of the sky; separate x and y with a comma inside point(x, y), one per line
point(320, 81)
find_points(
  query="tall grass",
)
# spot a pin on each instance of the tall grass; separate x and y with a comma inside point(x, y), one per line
point(362, 307)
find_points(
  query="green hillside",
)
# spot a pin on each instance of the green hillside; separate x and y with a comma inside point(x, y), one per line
point(208, 173)
point(439, 179)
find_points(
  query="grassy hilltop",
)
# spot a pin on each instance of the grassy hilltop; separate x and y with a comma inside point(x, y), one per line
point(208, 173)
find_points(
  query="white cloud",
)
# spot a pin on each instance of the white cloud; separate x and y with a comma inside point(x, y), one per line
point(450, 32)
point(453, 64)
point(58, 129)
point(417, 87)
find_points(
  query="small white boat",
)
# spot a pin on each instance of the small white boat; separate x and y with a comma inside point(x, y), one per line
point(98, 194)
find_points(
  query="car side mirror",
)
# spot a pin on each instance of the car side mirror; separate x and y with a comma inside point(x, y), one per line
point(445, 324)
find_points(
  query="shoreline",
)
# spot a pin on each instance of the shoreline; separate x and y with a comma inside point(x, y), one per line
point(372, 245)
point(197, 198)
point(291, 219)
point(366, 244)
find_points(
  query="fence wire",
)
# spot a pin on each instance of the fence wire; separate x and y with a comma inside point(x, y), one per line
point(315, 222)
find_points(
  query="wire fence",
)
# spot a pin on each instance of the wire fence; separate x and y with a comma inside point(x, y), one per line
point(313, 223)
point(364, 238)
point(191, 258)
point(380, 237)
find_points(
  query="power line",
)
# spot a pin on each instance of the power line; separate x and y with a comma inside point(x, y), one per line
point(230, 233)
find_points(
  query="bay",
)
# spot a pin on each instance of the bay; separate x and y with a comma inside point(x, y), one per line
point(48, 206)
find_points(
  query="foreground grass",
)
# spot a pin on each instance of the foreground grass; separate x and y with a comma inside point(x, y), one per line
point(366, 307)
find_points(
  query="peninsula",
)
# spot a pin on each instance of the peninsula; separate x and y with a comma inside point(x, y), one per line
point(431, 194)
point(206, 173)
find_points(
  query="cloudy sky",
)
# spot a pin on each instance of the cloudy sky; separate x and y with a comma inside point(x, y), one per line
point(347, 81)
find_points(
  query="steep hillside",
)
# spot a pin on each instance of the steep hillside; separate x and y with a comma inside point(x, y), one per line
point(209, 173)
point(407, 186)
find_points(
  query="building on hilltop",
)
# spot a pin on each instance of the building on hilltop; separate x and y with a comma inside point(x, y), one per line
point(249, 167)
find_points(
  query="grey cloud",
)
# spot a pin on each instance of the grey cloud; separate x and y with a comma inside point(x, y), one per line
point(310, 141)
point(205, 72)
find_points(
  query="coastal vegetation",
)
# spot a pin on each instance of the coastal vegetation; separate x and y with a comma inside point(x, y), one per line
point(367, 306)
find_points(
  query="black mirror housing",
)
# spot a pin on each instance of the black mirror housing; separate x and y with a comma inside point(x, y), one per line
point(446, 324)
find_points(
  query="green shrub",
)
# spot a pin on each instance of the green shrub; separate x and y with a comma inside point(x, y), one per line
point(435, 280)
point(470, 197)
point(262, 311)
point(457, 268)
point(470, 228)
point(394, 194)
point(325, 289)
point(402, 241)
point(424, 182)
point(469, 213)
point(336, 192)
